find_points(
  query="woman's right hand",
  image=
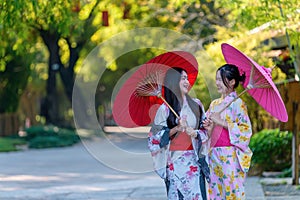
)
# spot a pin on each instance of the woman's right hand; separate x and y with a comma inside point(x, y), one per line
point(208, 124)
point(174, 130)
point(181, 127)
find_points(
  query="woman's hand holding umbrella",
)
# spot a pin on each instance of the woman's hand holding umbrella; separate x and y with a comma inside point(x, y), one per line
point(181, 127)
point(216, 119)
point(186, 128)
point(174, 130)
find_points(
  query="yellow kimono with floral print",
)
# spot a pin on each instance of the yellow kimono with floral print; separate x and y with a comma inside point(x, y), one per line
point(229, 164)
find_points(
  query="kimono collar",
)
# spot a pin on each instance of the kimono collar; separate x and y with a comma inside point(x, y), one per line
point(185, 102)
point(230, 97)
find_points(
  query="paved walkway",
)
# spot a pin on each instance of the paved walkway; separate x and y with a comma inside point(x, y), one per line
point(112, 167)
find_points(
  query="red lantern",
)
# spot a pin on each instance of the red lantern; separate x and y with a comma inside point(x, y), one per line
point(105, 18)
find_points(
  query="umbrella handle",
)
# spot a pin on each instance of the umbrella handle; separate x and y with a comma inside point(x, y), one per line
point(248, 88)
point(228, 105)
point(160, 96)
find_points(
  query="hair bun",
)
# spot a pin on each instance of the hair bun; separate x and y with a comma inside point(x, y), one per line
point(242, 77)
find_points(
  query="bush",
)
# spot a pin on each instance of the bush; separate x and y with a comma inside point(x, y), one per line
point(45, 142)
point(50, 136)
point(9, 144)
point(272, 150)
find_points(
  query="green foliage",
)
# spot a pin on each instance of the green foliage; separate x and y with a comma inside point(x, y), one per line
point(78, 25)
point(270, 17)
point(50, 136)
point(40, 137)
point(40, 142)
point(13, 81)
point(254, 13)
point(272, 149)
point(9, 144)
point(286, 173)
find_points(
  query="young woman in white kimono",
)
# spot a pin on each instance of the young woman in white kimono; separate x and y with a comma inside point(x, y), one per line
point(229, 156)
point(176, 145)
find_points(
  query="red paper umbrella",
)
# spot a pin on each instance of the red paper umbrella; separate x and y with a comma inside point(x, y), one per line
point(258, 83)
point(139, 98)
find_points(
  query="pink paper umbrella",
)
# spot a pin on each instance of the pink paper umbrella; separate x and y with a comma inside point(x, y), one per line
point(140, 96)
point(258, 83)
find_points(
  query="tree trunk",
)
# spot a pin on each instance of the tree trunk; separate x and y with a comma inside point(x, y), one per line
point(67, 74)
point(49, 107)
point(9, 124)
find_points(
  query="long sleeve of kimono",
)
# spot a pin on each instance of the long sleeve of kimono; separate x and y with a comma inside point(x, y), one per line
point(158, 141)
point(158, 136)
point(201, 132)
point(203, 144)
point(240, 131)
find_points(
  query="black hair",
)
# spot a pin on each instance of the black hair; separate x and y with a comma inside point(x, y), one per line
point(173, 96)
point(229, 72)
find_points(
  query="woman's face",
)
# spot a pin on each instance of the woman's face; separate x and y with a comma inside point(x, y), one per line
point(222, 89)
point(184, 83)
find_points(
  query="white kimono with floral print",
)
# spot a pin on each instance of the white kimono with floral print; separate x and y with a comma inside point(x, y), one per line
point(180, 168)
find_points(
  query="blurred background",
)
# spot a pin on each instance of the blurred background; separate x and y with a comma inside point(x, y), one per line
point(44, 44)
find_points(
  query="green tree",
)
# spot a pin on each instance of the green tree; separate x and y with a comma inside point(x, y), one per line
point(65, 27)
point(14, 67)
point(270, 18)
point(13, 80)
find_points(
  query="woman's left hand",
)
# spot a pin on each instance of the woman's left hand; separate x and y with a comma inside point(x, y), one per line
point(191, 132)
point(216, 118)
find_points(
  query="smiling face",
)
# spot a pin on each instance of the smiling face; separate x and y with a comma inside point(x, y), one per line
point(184, 83)
point(222, 88)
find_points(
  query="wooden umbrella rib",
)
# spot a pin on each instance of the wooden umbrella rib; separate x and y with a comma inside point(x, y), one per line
point(150, 86)
point(267, 96)
point(273, 103)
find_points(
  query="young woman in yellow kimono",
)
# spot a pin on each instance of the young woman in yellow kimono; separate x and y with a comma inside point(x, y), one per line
point(176, 145)
point(229, 155)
